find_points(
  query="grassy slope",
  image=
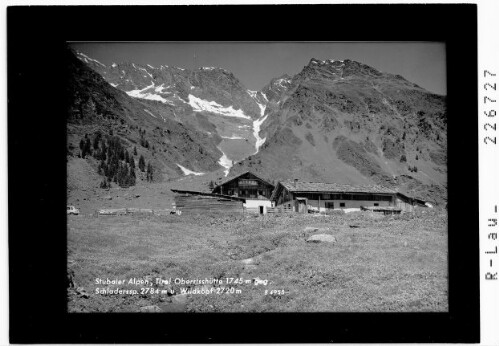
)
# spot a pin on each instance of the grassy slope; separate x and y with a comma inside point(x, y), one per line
point(85, 194)
point(392, 263)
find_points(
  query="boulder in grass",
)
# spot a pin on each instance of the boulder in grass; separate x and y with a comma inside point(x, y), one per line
point(320, 238)
point(248, 261)
point(309, 230)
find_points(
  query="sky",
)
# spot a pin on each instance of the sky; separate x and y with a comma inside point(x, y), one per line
point(254, 64)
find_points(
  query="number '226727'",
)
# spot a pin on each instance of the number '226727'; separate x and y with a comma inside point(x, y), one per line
point(490, 87)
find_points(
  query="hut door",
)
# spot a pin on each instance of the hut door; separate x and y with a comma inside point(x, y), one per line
point(302, 206)
point(261, 209)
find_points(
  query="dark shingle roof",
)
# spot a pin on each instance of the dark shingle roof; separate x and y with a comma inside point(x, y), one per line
point(228, 180)
point(302, 186)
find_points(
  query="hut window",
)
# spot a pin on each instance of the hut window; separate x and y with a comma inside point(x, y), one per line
point(342, 204)
point(248, 182)
point(376, 204)
point(326, 196)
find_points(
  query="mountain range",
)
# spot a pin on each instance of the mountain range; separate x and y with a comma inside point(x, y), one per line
point(334, 121)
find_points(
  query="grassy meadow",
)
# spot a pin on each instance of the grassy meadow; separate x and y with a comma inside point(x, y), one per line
point(377, 264)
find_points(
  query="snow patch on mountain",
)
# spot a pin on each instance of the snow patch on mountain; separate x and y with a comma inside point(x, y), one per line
point(258, 123)
point(252, 93)
point(178, 98)
point(87, 58)
point(262, 108)
point(160, 88)
point(256, 131)
point(142, 94)
point(323, 62)
point(200, 105)
point(114, 65)
point(114, 85)
point(143, 69)
point(147, 111)
point(282, 82)
point(187, 171)
point(225, 162)
point(150, 66)
point(232, 137)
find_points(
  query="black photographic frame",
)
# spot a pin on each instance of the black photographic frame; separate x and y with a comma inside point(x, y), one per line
point(37, 39)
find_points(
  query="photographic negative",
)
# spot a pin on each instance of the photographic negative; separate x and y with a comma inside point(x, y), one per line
point(257, 177)
point(69, 255)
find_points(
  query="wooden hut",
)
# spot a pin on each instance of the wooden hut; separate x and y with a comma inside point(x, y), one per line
point(255, 190)
point(305, 196)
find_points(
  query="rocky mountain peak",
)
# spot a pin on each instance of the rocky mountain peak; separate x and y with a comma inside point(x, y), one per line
point(336, 116)
point(277, 87)
point(328, 62)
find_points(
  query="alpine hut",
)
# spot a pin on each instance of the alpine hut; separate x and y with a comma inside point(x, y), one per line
point(304, 196)
point(255, 190)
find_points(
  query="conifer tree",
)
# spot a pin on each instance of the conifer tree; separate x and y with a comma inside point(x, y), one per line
point(149, 172)
point(88, 147)
point(97, 140)
point(135, 151)
point(142, 163)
